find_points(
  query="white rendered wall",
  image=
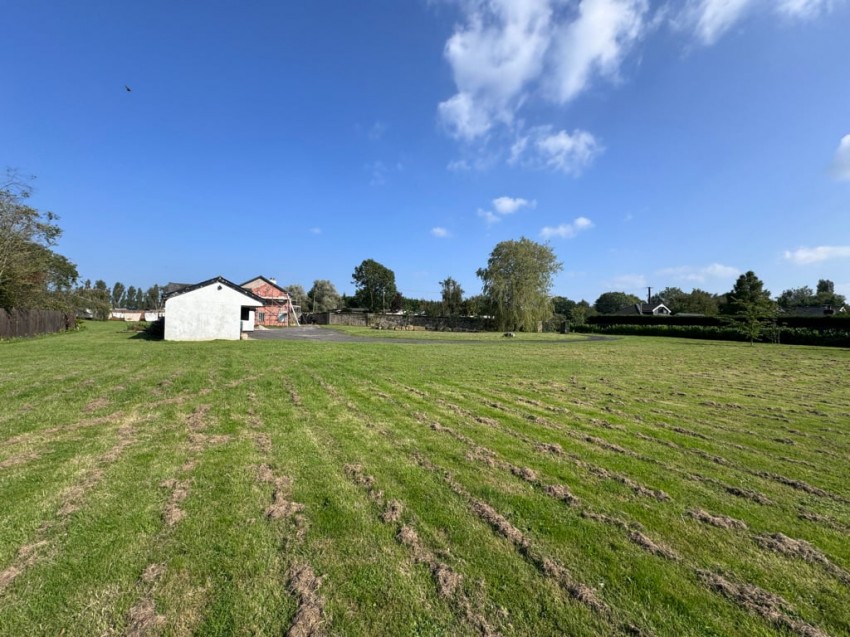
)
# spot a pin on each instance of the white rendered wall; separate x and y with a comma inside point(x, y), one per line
point(208, 313)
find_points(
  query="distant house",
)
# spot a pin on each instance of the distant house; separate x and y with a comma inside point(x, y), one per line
point(644, 309)
point(277, 309)
point(210, 310)
point(123, 314)
point(818, 310)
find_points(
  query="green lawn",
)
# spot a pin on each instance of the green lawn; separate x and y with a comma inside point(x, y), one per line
point(501, 487)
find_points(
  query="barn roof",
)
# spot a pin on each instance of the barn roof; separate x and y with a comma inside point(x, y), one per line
point(221, 281)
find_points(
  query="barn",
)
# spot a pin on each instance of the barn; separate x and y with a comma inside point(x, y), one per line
point(210, 310)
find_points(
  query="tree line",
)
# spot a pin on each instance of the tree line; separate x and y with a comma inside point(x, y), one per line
point(516, 283)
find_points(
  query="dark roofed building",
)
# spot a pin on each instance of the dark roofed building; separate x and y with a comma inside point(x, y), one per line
point(644, 309)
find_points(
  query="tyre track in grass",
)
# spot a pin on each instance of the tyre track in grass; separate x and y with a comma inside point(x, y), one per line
point(142, 619)
point(447, 582)
point(301, 580)
point(545, 447)
point(634, 530)
point(546, 567)
point(794, 483)
point(48, 537)
point(776, 541)
point(595, 470)
point(749, 597)
point(661, 397)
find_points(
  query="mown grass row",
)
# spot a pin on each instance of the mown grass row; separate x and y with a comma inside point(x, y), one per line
point(498, 487)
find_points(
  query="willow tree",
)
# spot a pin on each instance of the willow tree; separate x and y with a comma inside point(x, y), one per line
point(517, 281)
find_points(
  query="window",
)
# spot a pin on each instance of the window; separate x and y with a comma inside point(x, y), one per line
point(281, 318)
point(262, 316)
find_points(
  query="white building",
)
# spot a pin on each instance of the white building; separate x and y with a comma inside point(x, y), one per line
point(214, 309)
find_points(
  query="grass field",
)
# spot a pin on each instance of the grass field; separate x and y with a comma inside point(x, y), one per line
point(502, 487)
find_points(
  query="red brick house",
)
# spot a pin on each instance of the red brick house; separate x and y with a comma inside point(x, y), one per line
point(278, 310)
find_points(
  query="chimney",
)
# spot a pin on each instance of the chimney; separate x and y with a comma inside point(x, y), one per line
point(273, 280)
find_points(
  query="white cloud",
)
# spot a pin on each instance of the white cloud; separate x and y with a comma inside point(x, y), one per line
point(509, 205)
point(508, 52)
point(594, 43)
point(493, 56)
point(807, 256)
point(489, 216)
point(315, 230)
point(803, 8)
point(567, 230)
point(711, 19)
point(558, 151)
point(841, 162)
point(440, 233)
point(700, 274)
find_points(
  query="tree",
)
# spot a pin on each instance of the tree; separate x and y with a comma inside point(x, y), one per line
point(477, 305)
point(699, 302)
point(797, 297)
point(323, 296)
point(31, 273)
point(826, 294)
point(517, 281)
point(153, 297)
point(751, 305)
point(118, 294)
point(610, 302)
point(375, 285)
point(141, 301)
point(452, 297)
point(298, 296)
point(95, 300)
point(747, 293)
point(131, 298)
point(580, 313)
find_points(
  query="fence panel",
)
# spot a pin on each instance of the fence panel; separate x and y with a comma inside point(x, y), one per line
point(19, 323)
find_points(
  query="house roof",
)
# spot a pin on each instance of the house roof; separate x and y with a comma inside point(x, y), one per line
point(817, 310)
point(221, 281)
point(640, 308)
point(267, 281)
point(171, 288)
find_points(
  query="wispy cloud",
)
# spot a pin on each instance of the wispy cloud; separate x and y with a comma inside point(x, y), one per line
point(315, 230)
point(440, 233)
point(804, 8)
point(567, 230)
point(377, 130)
point(807, 256)
point(489, 216)
point(560, 151)
point(380, 172)
point(700, 274)
point(711, 19)
point(841, 161)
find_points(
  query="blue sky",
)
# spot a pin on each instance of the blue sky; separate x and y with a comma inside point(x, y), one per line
point(650, 143)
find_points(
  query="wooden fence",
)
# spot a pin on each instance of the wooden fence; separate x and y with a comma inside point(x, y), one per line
point(18, 323)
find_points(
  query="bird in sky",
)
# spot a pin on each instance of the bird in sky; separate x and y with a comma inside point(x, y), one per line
point(128, 89)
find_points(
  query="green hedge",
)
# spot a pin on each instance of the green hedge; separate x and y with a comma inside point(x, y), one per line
point(838, 336)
